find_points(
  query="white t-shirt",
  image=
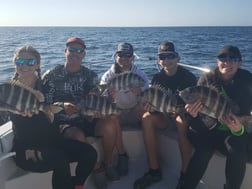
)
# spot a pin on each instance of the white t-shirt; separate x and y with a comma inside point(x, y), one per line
point(124, 99)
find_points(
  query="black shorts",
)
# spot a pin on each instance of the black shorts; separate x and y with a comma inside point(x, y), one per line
point(85, 124)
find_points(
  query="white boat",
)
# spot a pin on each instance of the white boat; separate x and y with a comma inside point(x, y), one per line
point(12, 177)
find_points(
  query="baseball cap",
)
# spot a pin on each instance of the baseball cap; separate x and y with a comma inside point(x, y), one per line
point(76, 40)
point(125, 47)
point(166, 47)
point(231, 51)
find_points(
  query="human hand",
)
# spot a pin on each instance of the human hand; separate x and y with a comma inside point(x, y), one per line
point(97, 115)
point(233, 123)
point(29, 113)
point(70, 108)
point(194, 108)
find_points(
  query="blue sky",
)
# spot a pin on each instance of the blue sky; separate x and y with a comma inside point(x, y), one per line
point(126, 13)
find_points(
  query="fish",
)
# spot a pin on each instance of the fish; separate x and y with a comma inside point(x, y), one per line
point(94, 103)
point(160, 99)
point(20, 99)
point(215, 104)
point(125, 81)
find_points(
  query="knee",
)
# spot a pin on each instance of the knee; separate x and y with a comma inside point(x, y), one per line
point(109, 126)
point(88, 152)
point(75, 134)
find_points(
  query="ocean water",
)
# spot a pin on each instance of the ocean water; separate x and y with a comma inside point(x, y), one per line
point(197, 46)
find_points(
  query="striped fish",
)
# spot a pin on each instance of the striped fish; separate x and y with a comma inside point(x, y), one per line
point(20, 99)
point(160, 99)
point(126, 81)
point(94, 103)
point(215, 104)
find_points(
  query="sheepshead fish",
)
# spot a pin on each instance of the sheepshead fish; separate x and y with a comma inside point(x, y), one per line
point(160, 99)
point(125, 81)
point(20, 99)
point(215, 104)
point(95, 103)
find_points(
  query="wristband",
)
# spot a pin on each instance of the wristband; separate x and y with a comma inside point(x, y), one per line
point(239, 133)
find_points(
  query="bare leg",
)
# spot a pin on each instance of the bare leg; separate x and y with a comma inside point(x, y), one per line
point(108, 131)
point(184, 144)
point(149, 123)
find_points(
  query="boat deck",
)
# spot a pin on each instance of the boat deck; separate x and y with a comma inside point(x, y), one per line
point(12, 177)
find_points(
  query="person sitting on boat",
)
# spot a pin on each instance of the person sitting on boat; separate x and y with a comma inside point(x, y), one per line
point(37, 142)
point(125, 99)
point(171, 77)
point(229, 134)
point(67, 85)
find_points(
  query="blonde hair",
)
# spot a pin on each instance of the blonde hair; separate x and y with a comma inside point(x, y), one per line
point(28, 49)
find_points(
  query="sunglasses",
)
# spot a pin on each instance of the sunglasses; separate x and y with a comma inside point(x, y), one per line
point(124, 55)
point(169, 56)
point(225, 58)
point(28, 62)
point(74, 50)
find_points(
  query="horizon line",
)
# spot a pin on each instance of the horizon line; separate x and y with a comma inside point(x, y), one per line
point(128, 26)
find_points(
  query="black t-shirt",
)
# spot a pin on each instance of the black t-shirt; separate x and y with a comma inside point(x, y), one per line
point(181, 80)
point(34, 131)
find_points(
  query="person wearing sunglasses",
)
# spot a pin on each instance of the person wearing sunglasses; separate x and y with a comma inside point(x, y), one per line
point(229, 136)
point(171, 77)
point(125, 100)
point(67, 85)
point(37, 142)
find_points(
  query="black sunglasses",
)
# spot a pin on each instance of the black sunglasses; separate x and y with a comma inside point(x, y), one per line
point(124, 55)
point(226, 58)
point(169, 56)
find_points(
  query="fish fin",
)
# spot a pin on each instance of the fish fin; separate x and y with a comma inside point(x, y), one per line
point(180, 110)
point(96, 90)
point(212, 87)
point(167, 92)
point(102, 88)
point(37, 93)
point(164, 90)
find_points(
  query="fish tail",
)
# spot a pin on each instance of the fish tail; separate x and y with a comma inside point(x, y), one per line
point(50, 110)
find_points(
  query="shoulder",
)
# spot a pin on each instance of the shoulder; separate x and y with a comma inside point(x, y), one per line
point(244, 73)
point(142, 74)
point(54, 71)
point(207, 78)
point(108, 75)
point(185, 72)
point(87, 72)
point(139, 72)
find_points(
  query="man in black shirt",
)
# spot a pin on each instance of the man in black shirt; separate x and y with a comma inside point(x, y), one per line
point(175, 78)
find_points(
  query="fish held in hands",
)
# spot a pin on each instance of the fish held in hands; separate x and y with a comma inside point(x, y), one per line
point(20, 99)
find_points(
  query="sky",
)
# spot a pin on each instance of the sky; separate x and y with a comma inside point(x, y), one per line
point(125, 13)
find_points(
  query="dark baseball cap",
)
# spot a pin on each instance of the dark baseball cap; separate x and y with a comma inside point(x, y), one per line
point(231, 51)
point(166, 47)
point(125, 47)
point(76, 40)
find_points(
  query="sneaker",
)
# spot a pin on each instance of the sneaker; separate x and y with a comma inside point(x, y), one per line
point(122, 167)
point(100, 179)
point(146, 181)
point(111, 172)
point(180, 181)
